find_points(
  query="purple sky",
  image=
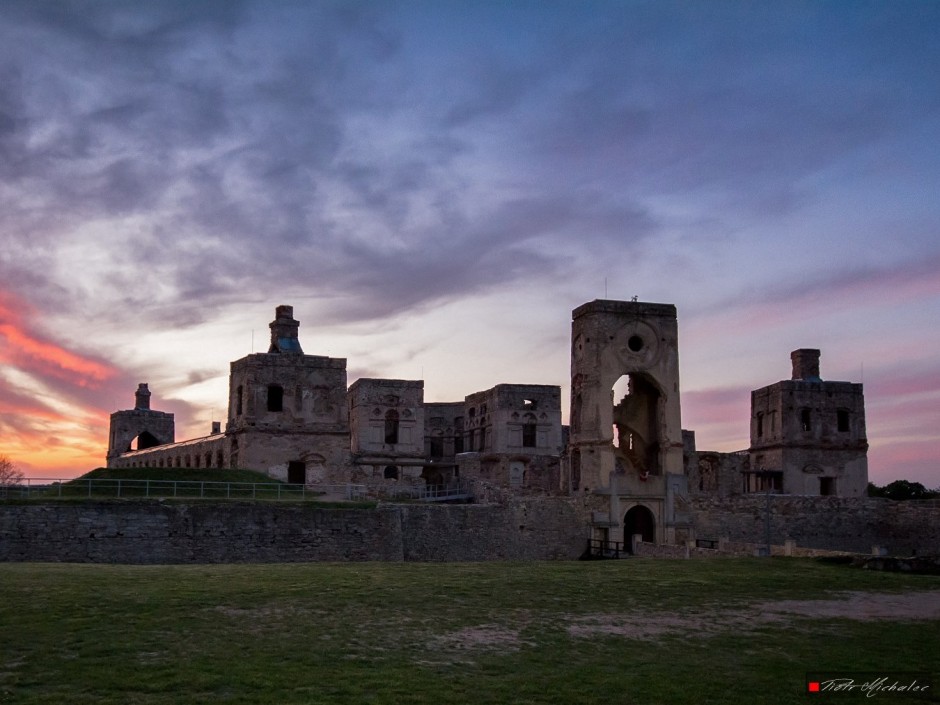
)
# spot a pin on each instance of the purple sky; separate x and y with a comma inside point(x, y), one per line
point(435, 185)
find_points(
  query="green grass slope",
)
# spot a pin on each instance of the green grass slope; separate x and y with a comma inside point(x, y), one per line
point(178, 475)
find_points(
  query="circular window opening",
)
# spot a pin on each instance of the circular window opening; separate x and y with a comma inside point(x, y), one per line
point(635, 343)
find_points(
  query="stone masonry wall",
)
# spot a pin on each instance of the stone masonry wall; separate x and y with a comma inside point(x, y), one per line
point(836, 523)
point(164, 532)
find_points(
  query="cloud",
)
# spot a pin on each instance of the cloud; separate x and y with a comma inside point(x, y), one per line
point(24, 348)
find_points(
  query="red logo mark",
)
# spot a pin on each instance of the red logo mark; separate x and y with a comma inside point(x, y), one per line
point(813, 687)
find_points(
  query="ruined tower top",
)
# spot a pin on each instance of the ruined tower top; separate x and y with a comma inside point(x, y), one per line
point(805, 364)
point(142, 397)
point(284, 338)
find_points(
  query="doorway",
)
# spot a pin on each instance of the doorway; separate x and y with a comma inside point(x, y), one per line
point(639, 520)
point(296, 472)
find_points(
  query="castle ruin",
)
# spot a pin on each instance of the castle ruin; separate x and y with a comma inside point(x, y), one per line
point(293, 416)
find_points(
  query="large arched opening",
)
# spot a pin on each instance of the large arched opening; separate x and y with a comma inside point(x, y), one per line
point(144, 440)
point(636, 425)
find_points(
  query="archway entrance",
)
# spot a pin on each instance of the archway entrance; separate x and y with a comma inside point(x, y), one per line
point(638, 520)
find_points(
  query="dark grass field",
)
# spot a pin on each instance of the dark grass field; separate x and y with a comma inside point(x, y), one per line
point(632, 631)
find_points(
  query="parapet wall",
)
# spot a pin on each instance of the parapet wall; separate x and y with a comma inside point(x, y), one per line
point(854, 524)
point(236, 532)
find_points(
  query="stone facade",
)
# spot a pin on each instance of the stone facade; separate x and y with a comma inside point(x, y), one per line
point(387, 421)
point(625, 439)
point(513, 435)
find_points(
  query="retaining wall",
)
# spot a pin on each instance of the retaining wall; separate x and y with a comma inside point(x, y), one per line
point(853, 524)
point(171, 532)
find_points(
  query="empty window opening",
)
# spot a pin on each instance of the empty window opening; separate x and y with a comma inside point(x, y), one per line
point(760, 425)
point(529, 432)
point(437, 447)
point(635, 343)
point(391, 472)
point(296, 472)
point(806, 420)
point(197, 458)
point(827, 486)
point(391, 427)
point(482, 439)
point(842, 420)
point(275, 397)
point(209, 459)
point(238, 400)
point(220, 460)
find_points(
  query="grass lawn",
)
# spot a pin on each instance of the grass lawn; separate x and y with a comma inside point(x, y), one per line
point(631, 631)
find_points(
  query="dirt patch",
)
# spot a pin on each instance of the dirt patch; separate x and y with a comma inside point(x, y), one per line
point(482, 636)
point(862, 606)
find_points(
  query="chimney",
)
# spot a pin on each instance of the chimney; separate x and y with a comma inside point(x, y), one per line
point(216, 427)
point(142, 397)
point(284, 338)
point(805, 364)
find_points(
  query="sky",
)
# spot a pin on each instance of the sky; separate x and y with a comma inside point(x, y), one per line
point(434, 186)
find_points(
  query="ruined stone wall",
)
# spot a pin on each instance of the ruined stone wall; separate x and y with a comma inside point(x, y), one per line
point(834, 523)
point(164, 532)
point(208, 452)
point(443, 430)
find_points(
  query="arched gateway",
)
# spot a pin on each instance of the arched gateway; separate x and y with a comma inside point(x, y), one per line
point(639, 520)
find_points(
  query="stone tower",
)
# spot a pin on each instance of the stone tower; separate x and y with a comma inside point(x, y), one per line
point(626, 439)
point(808, 436)
point(287, 410)
point(149, 428)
